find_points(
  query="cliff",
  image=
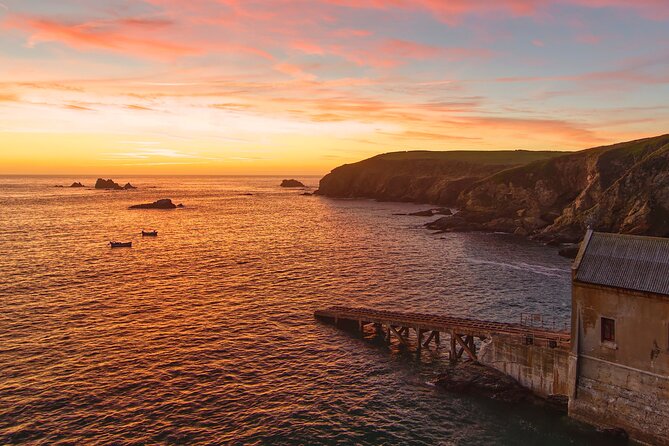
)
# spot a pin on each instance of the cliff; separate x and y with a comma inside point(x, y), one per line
point(421, 176)
point(618, 188)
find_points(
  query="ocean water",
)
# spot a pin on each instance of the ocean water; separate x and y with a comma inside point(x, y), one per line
point(206, 335)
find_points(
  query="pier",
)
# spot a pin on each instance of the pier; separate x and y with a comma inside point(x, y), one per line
point(429, 329)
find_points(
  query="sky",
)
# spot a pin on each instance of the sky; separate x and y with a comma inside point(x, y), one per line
point(272, 87)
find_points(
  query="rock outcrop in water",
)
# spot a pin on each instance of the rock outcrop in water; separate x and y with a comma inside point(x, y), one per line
point(112, 185)
point(77, 184)
point(160, 204)
point(476, 379)
point(291, 183)
point(619, 188)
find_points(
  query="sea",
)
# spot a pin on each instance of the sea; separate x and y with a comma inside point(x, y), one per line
point(205, 334)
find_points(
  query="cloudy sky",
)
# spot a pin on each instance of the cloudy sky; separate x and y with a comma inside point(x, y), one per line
point(244, 86)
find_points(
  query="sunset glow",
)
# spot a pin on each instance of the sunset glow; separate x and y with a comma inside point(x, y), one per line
point(233, 86)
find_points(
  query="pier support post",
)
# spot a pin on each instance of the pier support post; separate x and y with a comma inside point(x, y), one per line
point(433, 335)
point(453, 353)
point(399, 335)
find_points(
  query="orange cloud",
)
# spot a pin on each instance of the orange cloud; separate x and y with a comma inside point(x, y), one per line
point(116, 36)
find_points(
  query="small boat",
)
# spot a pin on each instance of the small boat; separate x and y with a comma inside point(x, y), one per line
point(121, 244)
point(149, 233)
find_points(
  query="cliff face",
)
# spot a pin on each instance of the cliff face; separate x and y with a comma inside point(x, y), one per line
point(420, 176)
point(619, 188)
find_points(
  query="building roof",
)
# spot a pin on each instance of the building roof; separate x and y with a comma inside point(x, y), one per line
point(624, 261)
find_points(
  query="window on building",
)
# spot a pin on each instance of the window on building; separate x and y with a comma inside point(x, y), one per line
point(608, 330)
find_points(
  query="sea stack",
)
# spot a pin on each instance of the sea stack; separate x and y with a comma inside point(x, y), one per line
point(291, 183)
point(107, 184)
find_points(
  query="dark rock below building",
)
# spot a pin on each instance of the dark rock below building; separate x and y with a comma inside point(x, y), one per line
point(160, 204)
point(291, 183)
point(570, 251)
point(472, 378)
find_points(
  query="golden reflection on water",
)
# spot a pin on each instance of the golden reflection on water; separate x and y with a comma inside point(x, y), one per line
point(205, 333)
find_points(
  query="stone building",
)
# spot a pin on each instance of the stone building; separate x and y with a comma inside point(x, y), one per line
point(619, 360)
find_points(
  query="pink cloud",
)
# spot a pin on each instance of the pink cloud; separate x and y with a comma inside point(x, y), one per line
point(294, 71)
point(116, 36)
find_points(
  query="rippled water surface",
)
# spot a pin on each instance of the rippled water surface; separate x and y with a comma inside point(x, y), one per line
point(205, 334)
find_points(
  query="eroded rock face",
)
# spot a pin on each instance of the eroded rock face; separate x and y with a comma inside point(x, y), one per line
point(620, 188)
point(291, 183)
point(160, 204)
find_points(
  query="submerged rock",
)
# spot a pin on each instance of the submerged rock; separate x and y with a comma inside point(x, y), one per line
point(77, 184)
point(427, 213)
point(291, 183)
point(472, 378)
point(452, 224)
point(307, 194)
point(160, 204)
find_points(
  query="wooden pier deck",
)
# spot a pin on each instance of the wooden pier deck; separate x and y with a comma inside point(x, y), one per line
point(461, 331)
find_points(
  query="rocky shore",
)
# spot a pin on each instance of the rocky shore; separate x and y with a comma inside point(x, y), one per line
point(618, 188)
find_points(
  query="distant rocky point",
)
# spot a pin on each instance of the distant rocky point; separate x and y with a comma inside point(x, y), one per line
point(165, 203)
point(291, 183)
point(77, 184)
point(111, 185)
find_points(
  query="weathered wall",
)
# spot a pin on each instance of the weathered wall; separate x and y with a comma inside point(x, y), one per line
point(622, 384)
point(613, 397)
point(541, 369)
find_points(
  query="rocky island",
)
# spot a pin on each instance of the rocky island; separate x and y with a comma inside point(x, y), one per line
point(291, 183)
point(77, 184)
point(165, 203)
point(112, 185)
point(553, 198)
